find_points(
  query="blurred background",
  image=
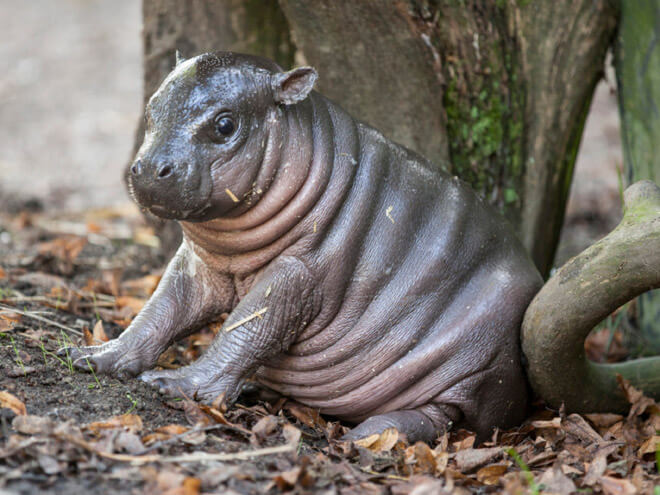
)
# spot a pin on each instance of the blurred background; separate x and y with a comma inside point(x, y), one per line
point(70, 86)
point(71, 93)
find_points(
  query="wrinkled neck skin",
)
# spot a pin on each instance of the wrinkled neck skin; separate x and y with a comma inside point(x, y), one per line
point(294, 174)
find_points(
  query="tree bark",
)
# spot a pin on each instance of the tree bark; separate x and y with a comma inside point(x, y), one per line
point(374, 62)
point(195, 26)
point(497, 92)
point(638, 77)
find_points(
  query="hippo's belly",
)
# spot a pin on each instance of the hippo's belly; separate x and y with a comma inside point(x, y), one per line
point(412, 325)
point(400, 354)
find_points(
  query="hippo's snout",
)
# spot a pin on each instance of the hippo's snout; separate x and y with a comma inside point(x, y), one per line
point(156, 182)
point(168, 189)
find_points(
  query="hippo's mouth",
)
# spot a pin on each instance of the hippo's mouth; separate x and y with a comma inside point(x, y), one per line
point(170, 214)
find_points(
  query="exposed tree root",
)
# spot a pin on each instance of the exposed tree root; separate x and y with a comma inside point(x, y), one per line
point(583, 292)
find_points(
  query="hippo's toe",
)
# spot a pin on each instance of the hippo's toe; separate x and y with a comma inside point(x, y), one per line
point(170, 383)
point(188, 382)
point(109, 358)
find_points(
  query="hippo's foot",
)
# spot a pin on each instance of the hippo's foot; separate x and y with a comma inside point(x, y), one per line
point(414, 424)
point(196, 381)
point(110, 358)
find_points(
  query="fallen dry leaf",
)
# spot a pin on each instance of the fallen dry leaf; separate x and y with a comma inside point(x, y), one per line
point(638, 401)
point(173, 483)
point(46, 281)
point(29, 424)
point(141, 287)
point(383, 442)
point(164, 433)
point(466, 442)
point(10, 401)
point(133, 303)
point(99, 333)
point(93, 228)
point(128, 441)
point(191, 486)
point(490, 475)
point(596, 469)
point(8, 321)
point(88, 338)
point(603, 420)
point(194, 438)
point(470, 459)
point(291, 434)
point(421, 459)
point(215, 414)
point(441, 461)
point(650, 446)
point(555, 481)
point(298, 476)
point(132, 422)
point(579, 428)
point(172, 429)
point(11, 317)
point(616, 486)
point(220, 403)
point(64, 250)
point(306, 415)
point(195, 415)
point(265, 426)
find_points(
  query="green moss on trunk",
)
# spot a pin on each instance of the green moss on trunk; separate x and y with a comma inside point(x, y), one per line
point(517, 79)
point(485, 128)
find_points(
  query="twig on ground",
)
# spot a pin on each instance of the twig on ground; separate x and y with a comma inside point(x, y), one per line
point(200, 457)
point(53, 302)
point(236, 456)
point(35, 316)
point(175, 438)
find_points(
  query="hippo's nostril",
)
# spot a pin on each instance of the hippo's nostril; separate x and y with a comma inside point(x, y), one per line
point(164, 171)
point(136, 168)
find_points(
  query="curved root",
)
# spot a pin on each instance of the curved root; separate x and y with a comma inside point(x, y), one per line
point(582, 293)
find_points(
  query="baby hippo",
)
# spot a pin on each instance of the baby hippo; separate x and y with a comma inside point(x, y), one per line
point(359, 278)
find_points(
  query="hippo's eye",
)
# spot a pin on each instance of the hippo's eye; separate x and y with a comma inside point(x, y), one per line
point(223, 126)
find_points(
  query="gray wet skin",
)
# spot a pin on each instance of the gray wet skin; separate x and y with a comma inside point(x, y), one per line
point(358, 278)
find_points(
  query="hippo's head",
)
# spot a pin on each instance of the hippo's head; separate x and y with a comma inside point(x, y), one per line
point(206, 132)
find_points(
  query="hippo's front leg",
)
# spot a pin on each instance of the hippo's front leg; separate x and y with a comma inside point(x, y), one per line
point(188, 296)
point(265, 323)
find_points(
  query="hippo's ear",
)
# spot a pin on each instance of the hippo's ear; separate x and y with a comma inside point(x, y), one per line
point(293, 86)
point(179, 58)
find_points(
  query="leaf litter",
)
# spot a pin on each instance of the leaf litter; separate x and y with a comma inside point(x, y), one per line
point(64, 431)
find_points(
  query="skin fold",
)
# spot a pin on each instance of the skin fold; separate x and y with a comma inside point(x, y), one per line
point(359, 279)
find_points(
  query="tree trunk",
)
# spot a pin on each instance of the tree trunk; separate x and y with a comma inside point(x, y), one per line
point(638, 75)
point(495, 91)
point(196, 26)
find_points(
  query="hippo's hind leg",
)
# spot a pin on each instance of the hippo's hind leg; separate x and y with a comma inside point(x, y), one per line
point(422, 424)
